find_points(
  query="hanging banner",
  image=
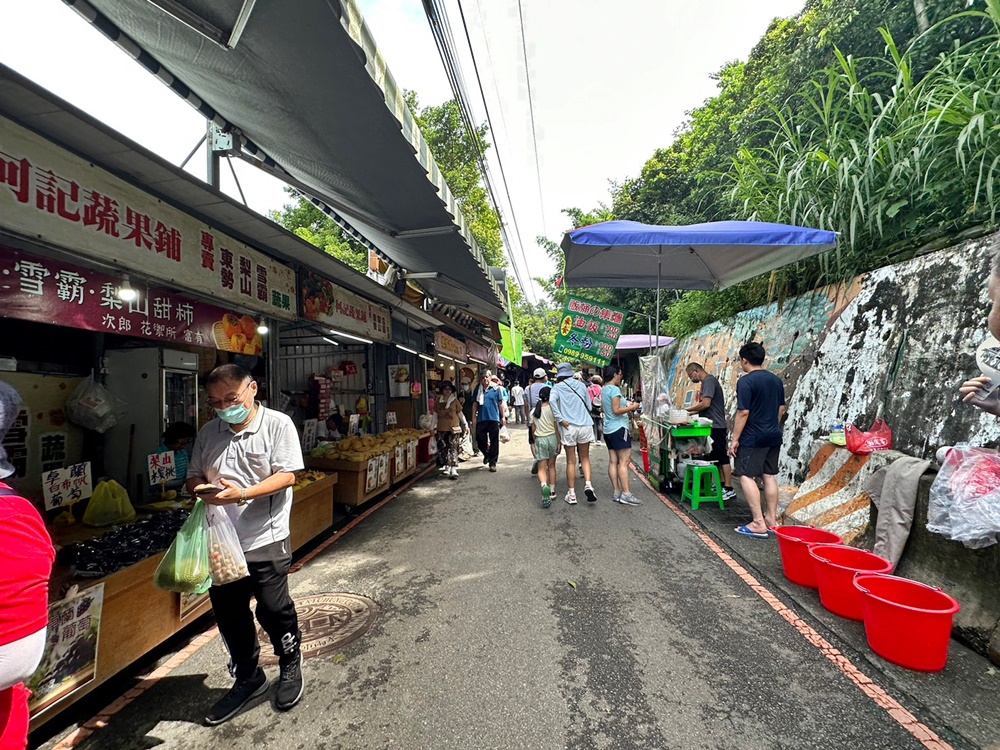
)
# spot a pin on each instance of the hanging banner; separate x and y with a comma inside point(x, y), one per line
point(50, 291)
point(589, 331)
point(50, 194)
point(450, 347)
point(513, 344)
point(325, 302)
point(70, 658)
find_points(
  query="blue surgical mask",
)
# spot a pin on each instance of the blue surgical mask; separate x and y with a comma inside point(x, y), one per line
point(234, 414)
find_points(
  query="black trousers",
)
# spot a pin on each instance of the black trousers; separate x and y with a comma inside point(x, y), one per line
point(268, 582)
point(488, 438)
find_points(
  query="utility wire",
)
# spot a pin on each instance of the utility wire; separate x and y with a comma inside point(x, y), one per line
point(496, 148)
point(531, 114)
point(444, 39)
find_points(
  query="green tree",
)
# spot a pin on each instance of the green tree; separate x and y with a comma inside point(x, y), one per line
point(315, 227)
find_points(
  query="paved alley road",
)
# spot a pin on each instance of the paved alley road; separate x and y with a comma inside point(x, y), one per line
point(484, 641)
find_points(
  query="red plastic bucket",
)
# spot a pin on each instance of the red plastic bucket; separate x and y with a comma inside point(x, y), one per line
point(794, 543)
point(907, 623)
point(836, 566)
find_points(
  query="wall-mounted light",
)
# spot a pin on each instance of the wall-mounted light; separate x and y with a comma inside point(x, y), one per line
point(351, 336)
point(407, 349)
point(331, 341)
point(125, 292)
point(424, 356)
point(262, 326)
point(479, 361)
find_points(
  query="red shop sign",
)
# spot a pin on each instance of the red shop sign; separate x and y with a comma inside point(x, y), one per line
point(49, 291)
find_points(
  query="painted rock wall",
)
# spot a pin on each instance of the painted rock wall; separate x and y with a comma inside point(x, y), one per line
point(895, 342)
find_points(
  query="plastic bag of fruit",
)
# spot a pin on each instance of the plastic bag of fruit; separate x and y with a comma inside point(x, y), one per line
point(226, 560)
point(184, 567)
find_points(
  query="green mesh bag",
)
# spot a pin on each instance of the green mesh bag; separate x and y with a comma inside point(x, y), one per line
point(184, 567)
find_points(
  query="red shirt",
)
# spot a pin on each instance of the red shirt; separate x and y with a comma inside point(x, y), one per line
point(26, 557)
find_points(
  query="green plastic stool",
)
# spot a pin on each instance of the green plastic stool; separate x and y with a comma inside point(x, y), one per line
point(702, 484)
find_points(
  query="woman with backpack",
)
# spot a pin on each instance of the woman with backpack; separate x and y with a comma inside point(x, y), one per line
point(546, 444)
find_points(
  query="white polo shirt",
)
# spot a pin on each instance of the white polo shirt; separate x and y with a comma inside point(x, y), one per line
point(270, 445)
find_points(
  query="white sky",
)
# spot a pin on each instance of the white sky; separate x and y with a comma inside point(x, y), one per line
point(610, 83)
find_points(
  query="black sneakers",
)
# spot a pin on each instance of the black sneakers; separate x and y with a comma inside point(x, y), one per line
point(290, 684)
point(242, 692)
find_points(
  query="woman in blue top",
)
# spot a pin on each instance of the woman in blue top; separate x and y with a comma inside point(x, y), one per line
point(616, 434)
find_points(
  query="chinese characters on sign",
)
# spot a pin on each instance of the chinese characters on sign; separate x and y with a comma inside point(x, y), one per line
point(15, 442)
point(49, 193)
point(589, 332)
point(52, 449)
point(450, 347)
point(49, 291)
point(70, 657)
point(309, 434)
point(161, 467)
point(62, 487)
point(326, 302)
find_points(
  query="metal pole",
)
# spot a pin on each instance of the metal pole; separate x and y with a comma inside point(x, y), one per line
point(659, 263)
point(213, 163)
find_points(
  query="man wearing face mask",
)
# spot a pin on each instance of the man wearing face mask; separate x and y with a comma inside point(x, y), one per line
point(250, 454)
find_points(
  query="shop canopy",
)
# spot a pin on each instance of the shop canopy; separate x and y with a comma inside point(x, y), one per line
point(49, 116)
point(308, 95)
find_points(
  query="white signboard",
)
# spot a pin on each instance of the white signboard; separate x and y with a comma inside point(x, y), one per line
point(309, 434)
point(51, 194)
point(62, 487)
point(353, 424)
point(325, 302)
point(390, 419)
point(161, 467)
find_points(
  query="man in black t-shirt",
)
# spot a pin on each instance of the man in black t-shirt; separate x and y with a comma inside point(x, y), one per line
point(713, 404)
point(760, 407)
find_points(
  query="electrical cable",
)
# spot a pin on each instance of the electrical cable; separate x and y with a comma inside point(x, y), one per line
point(531, 114)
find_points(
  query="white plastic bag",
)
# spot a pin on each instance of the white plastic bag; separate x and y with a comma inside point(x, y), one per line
point(226, 560)
point(94, 407)
point(504, 434)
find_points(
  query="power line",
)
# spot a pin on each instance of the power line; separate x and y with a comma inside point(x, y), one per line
point(444, 39)
point(531, 114)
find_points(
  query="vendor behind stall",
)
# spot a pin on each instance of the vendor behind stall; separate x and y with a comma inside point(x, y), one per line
point(178, 437)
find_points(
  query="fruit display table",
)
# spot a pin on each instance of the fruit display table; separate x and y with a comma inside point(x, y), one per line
point(358, 481)
point(312, 505)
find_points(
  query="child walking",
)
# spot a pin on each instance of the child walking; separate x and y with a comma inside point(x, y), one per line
point(546, 445)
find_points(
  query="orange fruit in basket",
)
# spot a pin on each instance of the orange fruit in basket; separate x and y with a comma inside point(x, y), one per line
point(249, 326)
point(231, 325)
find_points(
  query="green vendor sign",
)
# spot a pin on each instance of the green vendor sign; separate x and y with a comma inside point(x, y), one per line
point(589, 331)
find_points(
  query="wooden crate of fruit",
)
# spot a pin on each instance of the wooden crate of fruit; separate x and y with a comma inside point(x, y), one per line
point(357, 481)
point(312, 505)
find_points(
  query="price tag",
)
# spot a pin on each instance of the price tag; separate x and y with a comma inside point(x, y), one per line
point(309, 434)
point(161, 467)
point(62, 487)
point(390, 418)
point(352, 425)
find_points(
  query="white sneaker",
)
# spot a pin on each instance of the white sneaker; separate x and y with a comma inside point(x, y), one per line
point(728, 494)
point(589, 492)
point(627, 498)
point(453, 472)
point(570, 498)
point(616, 498)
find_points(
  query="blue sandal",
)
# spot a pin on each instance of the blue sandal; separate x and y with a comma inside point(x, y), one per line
point(747, 531)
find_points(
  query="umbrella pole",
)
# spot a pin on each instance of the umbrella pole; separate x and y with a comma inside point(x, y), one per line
point(659, 263)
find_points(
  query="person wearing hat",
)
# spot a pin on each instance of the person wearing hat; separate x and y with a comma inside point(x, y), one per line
point(489, 412)
point(570, 404)
point(26, 557)
point(538, 381)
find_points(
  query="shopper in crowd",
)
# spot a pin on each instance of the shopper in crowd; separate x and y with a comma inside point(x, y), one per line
point(617, 416)
point(546, 444)
point(981, 391)
point(488, 415)
point(571, 408)
point(538, 379)
point(178, 438)
point(517, 403)
point(713, 405)
point(449, 430)
point(26, 557)
point(251, 453)
point(596, 410)
point(756, 442)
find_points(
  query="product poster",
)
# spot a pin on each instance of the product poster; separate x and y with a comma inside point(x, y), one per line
point(399, 381)
point(70, 658)
point(191, 602)
point(383, 469)
point(589, 332)
point(371, 475)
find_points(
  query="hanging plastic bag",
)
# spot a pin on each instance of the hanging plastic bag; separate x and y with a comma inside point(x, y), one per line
point(878, 438)
point(94, 407)
point(965, 497)
point(226, 560)
point(109, 505)
point(184, 567)
point(466, 449)
point(504, 434)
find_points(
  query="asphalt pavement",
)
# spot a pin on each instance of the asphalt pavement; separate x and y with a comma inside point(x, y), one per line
point(505, 625)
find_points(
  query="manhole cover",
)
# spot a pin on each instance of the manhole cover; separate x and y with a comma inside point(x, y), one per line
point(328, 622)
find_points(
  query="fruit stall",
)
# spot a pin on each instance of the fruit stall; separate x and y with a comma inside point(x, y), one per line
point(367, 465)
point(312, 505)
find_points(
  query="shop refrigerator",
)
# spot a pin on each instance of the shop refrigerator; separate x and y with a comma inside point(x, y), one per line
point(159, 387)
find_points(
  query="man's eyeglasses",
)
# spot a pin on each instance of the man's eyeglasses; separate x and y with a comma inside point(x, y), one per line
point(225, 404)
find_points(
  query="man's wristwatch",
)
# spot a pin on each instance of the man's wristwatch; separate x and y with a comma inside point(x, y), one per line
point(243, 496)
